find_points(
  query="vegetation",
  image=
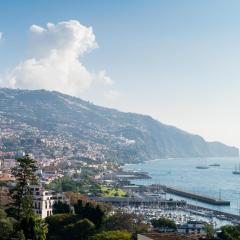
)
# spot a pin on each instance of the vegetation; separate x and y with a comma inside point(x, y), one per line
point(229, 232)
point(33, 227)
point(69, 226)
point(74, 197)
point(61, 207)
point(24, 173)
point(129, 222)
point(164, 223)
point(121, 221)
point(112, 192)
point(91, 222)
point(91, 212)
point(68, 184)
point(210, 231)
point(6, 226)
point(112, 235)
point(82, 229)
point(24, 224)
point(56, 224)
point(87, 220)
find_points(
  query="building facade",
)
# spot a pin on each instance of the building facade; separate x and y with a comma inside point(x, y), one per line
point(43, 200)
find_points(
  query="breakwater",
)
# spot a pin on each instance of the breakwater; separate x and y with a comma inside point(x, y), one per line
point(193, 196)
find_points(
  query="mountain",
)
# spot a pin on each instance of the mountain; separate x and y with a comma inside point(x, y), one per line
point(51, 124)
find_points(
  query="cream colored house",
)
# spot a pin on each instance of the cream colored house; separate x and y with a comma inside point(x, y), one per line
point(43, 200)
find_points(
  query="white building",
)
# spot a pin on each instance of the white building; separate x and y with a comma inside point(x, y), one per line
point(43, 200)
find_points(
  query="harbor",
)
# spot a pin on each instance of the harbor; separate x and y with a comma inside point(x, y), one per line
point(216, 188)
point(196, 201)
point(156, 204)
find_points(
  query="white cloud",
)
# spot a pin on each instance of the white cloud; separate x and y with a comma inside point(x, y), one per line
point(55, 60)
point(102, 77)
point(36, 29)
point(111, 94)
point(1, 36)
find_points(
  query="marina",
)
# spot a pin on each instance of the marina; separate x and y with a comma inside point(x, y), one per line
point(152, 201)
point(214, 182)
point(179, 215)
point(179, 211)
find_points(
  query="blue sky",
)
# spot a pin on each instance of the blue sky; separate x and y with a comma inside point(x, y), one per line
point(176, 60)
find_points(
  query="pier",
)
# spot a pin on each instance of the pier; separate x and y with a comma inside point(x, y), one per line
point(212, 212)
point(193, 196)
point(136, 202)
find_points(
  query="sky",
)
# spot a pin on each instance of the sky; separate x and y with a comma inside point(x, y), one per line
point(178, 61)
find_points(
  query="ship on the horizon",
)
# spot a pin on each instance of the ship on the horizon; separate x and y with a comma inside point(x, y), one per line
point(215, 165)
point(237, 169)
point(203, 165)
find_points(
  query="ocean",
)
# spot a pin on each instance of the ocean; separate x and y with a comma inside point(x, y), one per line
point(182, 173)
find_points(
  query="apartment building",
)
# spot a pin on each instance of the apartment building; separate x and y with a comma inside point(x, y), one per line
point(43, 200)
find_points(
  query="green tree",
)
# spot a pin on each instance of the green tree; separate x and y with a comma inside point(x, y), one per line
point(57, 222)
point(31, 225)
point(112, 235)
point(210, 232)
point(69, 226)
point(80, 230)
point(19, 235)
point(229, 232)
point(164, 223)
point(6, 229)
point(24, 173)
point(121, 221)
point(93, 213)
point(34, 228)
point(61, 207)
point(6, 226)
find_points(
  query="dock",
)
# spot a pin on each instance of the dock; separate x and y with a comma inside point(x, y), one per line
point(133, 201)
point(194, 196)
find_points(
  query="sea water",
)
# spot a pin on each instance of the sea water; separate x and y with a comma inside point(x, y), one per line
point(218, 182)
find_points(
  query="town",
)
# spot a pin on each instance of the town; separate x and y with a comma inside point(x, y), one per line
point(107, 183)
point(119, 120)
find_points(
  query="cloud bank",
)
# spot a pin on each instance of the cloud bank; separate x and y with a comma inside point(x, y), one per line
point(55, 60)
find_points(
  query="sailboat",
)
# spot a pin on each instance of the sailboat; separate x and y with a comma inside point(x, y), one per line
point(202, 166)
point(236, 170)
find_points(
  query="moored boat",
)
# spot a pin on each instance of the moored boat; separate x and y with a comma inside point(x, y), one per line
point(215, 165)
point(202, 167)
point(237, 169)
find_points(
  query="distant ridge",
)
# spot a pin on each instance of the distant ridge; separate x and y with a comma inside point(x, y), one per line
point(126, 137)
